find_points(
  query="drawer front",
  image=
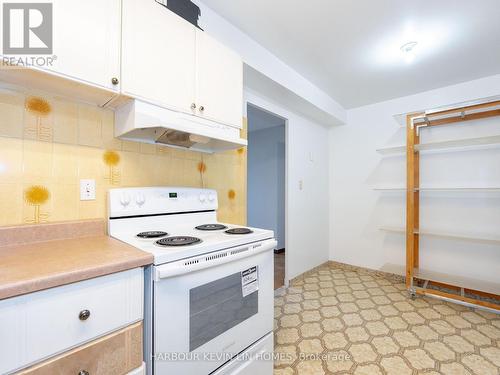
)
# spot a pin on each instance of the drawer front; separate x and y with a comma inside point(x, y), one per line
point(115, 354)
point(42, 324)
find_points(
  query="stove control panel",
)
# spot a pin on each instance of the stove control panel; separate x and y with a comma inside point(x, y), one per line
point(159, 200)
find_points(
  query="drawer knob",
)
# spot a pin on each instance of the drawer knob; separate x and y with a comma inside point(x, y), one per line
point(193, 106)
point(115, 81)
point(83, 372)
point(202, 108)
point(84, 315)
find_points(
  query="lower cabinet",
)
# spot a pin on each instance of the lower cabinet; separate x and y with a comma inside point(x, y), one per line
point(118, 353)
point(38, 326)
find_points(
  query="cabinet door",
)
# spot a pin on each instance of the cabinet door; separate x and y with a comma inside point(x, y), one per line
point(87, 40)
point(219, 81)
point(158, 55)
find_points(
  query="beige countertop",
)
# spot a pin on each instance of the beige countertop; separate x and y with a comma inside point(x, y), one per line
point(29, 267)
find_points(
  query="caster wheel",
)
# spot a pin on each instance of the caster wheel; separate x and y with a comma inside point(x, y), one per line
point(413, 295)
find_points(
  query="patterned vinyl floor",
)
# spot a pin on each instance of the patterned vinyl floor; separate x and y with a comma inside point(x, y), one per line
point(337, 320)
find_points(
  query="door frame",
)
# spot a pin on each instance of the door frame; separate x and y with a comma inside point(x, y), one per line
point(251, 99)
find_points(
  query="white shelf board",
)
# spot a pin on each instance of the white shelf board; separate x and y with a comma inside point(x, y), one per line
point(455, 280)
point(392, 150)
point(490, 189)
point(493, 140)
point(458, 236)
point(455, 236)
point(468, 143)
point(460, 189)
point(388, 228)
point(389, 188)
point(400, 118)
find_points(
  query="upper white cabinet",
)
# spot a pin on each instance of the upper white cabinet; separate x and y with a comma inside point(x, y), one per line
point(169, 62)
point(87, 41)
point(219, 81)
point(158, 55)
point(85, 59)
point(140, 49)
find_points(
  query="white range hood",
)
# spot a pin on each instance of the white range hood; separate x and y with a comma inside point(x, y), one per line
point(143, 122)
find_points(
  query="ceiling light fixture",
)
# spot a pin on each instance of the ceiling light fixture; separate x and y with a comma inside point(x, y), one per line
point(411, 42)
point(408, 50)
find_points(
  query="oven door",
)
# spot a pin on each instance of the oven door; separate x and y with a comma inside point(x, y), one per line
point(208, 309)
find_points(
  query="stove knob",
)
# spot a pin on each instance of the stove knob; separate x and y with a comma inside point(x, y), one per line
point(203, 198)
point(211, 197)
point(125, 200)
point(140, 199)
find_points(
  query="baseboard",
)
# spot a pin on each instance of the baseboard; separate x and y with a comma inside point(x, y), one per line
point(279, 251)
point(307, 273)
point(349, 267)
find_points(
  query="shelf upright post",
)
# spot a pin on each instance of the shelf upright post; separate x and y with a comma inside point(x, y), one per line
point(412, 200)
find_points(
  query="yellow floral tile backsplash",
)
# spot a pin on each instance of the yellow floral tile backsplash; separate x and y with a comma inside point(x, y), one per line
point(47, 144)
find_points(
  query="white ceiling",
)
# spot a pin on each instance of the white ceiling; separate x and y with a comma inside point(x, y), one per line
point(351, 48)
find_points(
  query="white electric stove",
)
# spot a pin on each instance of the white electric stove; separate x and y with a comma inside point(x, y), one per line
point(209, 294)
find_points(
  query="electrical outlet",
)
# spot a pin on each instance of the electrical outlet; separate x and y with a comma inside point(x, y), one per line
point(87, 190)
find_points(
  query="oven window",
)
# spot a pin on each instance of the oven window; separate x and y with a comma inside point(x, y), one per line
point(217, 307)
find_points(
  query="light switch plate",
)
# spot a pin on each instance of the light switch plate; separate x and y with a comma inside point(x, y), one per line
point(87, 190)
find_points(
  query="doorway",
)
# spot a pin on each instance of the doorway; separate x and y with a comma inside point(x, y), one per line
point(266, 179)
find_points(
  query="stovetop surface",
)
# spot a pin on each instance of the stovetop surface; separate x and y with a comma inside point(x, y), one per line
point(184, 225)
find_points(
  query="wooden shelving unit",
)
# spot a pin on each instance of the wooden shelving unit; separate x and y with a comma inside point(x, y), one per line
point(425, 282)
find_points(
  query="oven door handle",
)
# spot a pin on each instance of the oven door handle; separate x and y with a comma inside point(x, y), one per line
point(212, 259)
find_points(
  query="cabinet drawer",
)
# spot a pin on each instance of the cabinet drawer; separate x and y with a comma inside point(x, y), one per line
point(39, 325)
point(115, 354)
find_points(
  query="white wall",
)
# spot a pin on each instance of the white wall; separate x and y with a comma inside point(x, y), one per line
point(266, 179)
point(357, 210)
point(307, 216)
point(266, 63)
